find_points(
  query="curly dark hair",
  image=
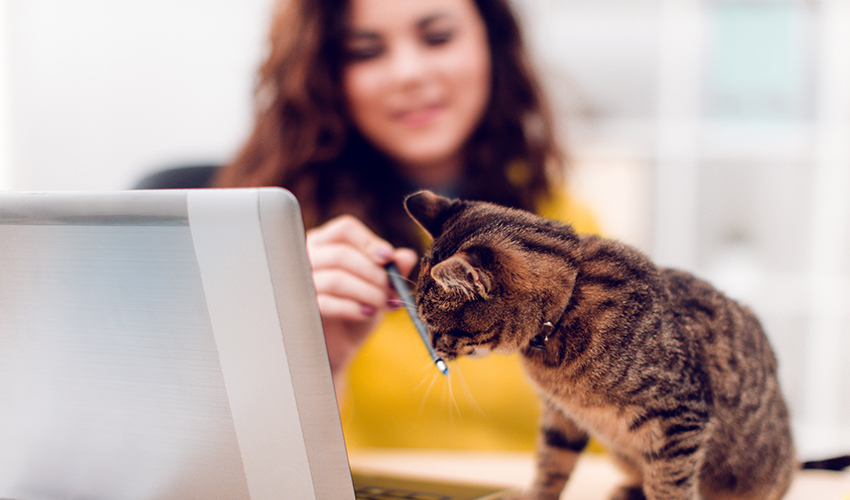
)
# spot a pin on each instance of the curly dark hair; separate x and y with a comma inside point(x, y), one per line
point(304, 141)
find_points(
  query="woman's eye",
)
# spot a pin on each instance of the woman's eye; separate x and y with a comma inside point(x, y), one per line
point(363, 52)
point(437, 37)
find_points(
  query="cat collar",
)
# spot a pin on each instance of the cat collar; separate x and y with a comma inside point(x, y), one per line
point(539, 340)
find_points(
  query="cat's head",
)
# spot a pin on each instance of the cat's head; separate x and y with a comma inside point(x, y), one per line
point(492, 276)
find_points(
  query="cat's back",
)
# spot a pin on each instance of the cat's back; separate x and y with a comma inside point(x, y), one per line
point(751, 444)
point(727, 331)
point(730, 333)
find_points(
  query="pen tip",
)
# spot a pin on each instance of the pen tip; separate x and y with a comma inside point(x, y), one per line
point(441, 365)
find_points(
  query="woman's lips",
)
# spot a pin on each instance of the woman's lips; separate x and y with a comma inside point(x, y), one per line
point(420, 116)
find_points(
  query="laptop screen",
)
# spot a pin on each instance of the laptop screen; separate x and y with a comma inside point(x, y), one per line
point(123, 388)
point(143, 349)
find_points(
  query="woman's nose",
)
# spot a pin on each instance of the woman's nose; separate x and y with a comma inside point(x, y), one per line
point(408, 64)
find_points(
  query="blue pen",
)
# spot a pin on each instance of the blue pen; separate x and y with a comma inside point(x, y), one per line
point(404, 294)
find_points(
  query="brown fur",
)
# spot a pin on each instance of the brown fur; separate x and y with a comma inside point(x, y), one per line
point(677, 380)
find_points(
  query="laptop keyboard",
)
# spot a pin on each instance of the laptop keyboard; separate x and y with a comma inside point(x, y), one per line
point(378, 493)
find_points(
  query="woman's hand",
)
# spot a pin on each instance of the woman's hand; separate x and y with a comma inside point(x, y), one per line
point(353, 289)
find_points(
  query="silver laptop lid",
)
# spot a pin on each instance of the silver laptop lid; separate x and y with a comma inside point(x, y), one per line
point(162, 345)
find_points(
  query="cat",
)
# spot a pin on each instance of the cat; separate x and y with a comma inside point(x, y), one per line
point(675, 379)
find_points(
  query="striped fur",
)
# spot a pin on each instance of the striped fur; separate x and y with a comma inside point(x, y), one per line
point(678, 381)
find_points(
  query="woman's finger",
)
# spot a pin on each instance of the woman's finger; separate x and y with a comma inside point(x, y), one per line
point(343, 257)
point(344, 285)
point(349, 230)
point(406, 260)
point(333, 308)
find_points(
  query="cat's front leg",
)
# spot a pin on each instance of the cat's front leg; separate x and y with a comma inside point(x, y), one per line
point(673, 475)
point(558, 445)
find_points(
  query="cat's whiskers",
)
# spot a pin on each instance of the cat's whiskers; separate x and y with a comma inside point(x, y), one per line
point(456, 393)
point(466, 390)
point(452, 400)
point(434, 377)
point(406, 302)
point(427, 370)
point(409, 281)
point(448, 397)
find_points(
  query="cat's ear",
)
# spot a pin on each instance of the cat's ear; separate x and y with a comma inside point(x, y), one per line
point(429, 210)
point(457, 275)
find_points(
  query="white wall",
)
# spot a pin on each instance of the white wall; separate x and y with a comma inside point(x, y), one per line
point(103, 90)
point(5, 95)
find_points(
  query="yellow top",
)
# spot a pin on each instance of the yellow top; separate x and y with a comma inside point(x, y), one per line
point(395, 397)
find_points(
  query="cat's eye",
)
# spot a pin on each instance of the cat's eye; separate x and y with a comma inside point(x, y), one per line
point(460, 333)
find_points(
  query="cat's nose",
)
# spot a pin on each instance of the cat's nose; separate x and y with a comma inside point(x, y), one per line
point(442, 344)
point(438, 340)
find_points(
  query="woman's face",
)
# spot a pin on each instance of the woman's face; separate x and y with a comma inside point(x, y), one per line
point(417, 81)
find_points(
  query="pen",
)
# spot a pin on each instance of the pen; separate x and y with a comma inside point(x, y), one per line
point(407, 299)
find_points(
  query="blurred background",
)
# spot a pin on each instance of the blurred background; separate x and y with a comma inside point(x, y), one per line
point(712, 134)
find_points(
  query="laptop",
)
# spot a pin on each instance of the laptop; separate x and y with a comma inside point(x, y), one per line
point(159, 345)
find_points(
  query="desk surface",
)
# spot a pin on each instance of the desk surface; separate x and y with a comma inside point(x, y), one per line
point(594, 478)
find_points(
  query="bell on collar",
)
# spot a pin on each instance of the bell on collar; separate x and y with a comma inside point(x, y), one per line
point(539, 340)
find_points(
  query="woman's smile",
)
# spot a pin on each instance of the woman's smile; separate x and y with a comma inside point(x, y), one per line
point(421, 116)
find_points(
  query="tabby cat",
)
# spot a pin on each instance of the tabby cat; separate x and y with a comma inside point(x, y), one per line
point(674, 378)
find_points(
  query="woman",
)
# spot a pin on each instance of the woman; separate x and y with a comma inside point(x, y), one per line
point(359, 104)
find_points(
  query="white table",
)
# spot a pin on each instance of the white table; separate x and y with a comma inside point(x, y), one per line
point(594, 478)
